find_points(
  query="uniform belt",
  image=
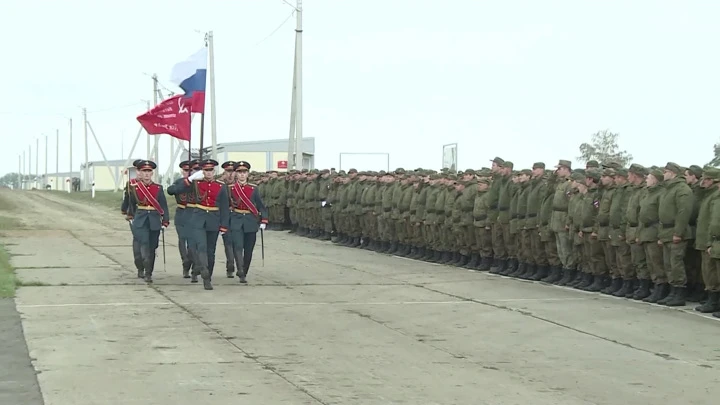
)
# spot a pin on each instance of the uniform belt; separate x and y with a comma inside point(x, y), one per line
point(669, 225)
point(182, 207)
point(531, 215)
point(204, 208)
point(503, 208)
point(633, 224)
point(604, 223)
point(146, 207)
point(560, 209)
point(191, 205)
point(481, 217)
point(648, 224)
point(237, 211)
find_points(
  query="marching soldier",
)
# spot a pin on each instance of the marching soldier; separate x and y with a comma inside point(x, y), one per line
point(228, 177)
point(185, 203)
point(128, 211)
point(248, 215)
point(151, 215)
point(209, 217)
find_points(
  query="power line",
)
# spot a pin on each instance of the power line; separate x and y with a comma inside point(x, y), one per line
point(277, 29)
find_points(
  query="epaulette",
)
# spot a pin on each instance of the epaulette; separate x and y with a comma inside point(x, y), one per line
point(252, 184)
point(220, 181)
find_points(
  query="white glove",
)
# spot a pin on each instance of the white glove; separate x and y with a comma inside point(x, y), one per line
point(196, 176)
point(262, 226)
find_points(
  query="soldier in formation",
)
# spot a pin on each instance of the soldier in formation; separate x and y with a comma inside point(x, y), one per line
point(146, 208)
point(643, 233)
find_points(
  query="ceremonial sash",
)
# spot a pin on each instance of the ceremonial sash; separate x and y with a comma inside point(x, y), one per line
point(240, 194)
point(148, 197)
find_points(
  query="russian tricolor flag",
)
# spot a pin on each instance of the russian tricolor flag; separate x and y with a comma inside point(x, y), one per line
point(190, 75)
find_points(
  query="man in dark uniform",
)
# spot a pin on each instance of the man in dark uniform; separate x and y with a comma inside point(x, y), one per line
point(228, 177)
point(209, 217)
point(182, 217)
point(248, 215)
point(151, 214)
point(128, 211)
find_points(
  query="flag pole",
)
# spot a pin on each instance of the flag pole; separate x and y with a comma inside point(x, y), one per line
point(211, 70)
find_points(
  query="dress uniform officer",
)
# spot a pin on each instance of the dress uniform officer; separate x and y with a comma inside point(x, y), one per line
point(248, 215)
point(185, 203)
point(228, 177)
point(151, 214)
point(209, 217)
point(126, 208)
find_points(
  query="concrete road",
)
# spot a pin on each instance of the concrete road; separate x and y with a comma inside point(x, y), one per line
point(322, 324)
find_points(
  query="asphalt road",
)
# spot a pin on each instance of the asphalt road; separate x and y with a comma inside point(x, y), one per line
point(322, 324)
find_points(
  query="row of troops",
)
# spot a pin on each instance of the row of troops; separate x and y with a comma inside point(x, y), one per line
point(646, 233)
point(207, 207)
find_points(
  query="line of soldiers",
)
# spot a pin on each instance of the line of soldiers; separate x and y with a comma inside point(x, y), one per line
point(206, 208)
point(644, 233)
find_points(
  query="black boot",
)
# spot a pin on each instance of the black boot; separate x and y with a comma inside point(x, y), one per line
point(585, 282)
point(541, 273)
point(696, 293)
point(660, 292)
point(669, 297)
point(495, 265)
point(643, 291)
point(624, 289)
point(597, 285)
point(485, 264)
point(553, 276)
point(355, 242)
point(568, 275)
point(711, 305)
point(679, 298)
point(473, 262)
point(515, 271)
point(613, 287)
point(530, 269)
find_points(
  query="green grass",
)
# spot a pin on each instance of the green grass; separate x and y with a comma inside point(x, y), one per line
point(8, 213)
point(8, 281)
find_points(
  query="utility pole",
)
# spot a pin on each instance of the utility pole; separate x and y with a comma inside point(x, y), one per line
point(46, 160)
point(86, 181)
point(19, 185)
point(148, 136)
point(155, 151)
point(71, 166)
point(23, 170)
point(37, 159)
point(57, 159)
point(296, 140)
point(29, 161)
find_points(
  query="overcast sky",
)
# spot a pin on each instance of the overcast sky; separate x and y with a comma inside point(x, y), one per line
point(527, 80)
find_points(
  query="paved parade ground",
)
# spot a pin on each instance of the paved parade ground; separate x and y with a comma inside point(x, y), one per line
point(320, 324)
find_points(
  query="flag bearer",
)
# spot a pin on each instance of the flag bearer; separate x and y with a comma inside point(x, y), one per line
point(209, 217)
point(185, 204)
point(150, 215)
point(248, 215)
point(228, 177)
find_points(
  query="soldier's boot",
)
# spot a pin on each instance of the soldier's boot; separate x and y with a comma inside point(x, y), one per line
point(473, 262)
point(495, 265)
point(522, 269)
point(405, 251)
point(140, 273)
point(555, 275)
point(512, 270)
point(679, 298)
point(207, 284)
point(230, 272)
point(242, 275)
point(613, 287)
point(542, 273)
point(364, 242)
point(455, 258)
point(627, 287)
point(186, 273)
point(585, 282)
point(421, 253)
point(660, 292)
point(429, 255)
point(412, 252)
point(533, 269)
point(599, 283)
point(711, 305)
point(149, 267)
point(696, 293)
point(566, 276)
point(631, 290)
point(716, 314)
point(140, 266)
point(447, 258)
point(643, 291)
point(464, 260)
point(669, 297)
point(435, 257)
point(355, 242)
point(485, 264)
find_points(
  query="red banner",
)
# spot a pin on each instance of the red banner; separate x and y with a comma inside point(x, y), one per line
point(282, 164)
point(171, 117)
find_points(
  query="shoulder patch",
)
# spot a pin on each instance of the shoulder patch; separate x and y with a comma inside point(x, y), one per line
point(219, 181)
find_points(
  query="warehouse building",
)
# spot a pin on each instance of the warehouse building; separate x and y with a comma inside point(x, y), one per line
point(106, 176)
point(59, 181)
point(266, 155)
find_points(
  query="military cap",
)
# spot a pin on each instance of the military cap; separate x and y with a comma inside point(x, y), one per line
point(498, 160)
point(145, 164)
point(435, 176)
point(342, 173)
point(577, 176)
point(470, 171)
point(228, 165)
point(136, 161)
point(185, 164)
point(452, 176)
point(711, 174)
point(696, 170)
point(612, 165)
point(241, 165)
point(657, 173)
point(622, 172)
point(352, 170)
point(324, 171)
point(637, 169)
point(508, 164)
point(593, 174)
point(399, 170)
point(566, 163)
point(608, 172)
point(208, 163)
point(526, 172)
point(592, 164)
point(483, 180)
point(538, 165)
point(674, 167)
